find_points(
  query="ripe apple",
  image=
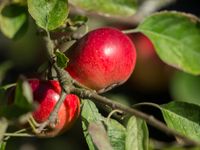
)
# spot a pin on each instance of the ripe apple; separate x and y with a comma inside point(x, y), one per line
point(144, 46)
point(102, 58)
point(151, 74)
point(46, 94)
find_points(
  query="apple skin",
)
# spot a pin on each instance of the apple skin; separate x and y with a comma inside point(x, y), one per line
point(144, 46)
point(46, 94)
point(151, 75)
point(102, 58)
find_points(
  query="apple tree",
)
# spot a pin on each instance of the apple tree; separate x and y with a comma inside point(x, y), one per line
point(87, 49)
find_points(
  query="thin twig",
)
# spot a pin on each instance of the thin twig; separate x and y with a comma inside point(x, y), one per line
point(129, 31)
point(147, 104)
point(65, 82)
point(18, 135)
point(53, 115)
point(148, 118)
point(112, 113)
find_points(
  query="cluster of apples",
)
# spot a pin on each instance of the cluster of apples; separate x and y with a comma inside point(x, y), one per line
point(102, 58)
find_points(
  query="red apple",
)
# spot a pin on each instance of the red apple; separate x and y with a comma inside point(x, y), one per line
point(144, 46)
point(46, 94)
point(101, 58)
point(151, 74)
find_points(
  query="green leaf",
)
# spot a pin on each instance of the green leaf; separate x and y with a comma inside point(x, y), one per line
point(183, 117)
point(23, 94)
point(3, 128)
point(108, 7)
point(89, 114)
point(2, 145)
point(78, 20)
point(116, 133)
point(61, 60)
point(13, 20)
point(176, 39)
point(7, 86)
point(43, 67)
point(99, 136)
point(137, 134)
point(4, 67)
point(22, 104)
point(48, 14)
point(185, 87)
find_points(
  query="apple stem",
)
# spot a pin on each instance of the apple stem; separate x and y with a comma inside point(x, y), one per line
point(147, 104)
point(5, 87)
point(18, 133)
point(129, 31)
point(112, 113)
point(34, 125)
point(148, 118)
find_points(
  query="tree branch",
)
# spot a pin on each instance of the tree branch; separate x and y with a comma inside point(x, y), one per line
point(148, 118)
point(67, 85)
